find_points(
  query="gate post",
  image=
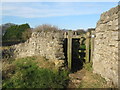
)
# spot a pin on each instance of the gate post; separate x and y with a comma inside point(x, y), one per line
point(69, 49)
point(65, 34)
point(92, 44)
point(88, 47)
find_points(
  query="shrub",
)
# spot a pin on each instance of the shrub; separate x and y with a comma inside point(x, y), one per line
point(80, 31)
point(15, 33)
point(46, 28)
point(29, 75)
point(26, 34)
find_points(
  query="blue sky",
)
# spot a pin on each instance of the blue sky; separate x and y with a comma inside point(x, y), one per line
point(65, 15)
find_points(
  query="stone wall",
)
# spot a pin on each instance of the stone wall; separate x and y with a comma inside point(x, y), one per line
point(105, 59)
point(47, 44)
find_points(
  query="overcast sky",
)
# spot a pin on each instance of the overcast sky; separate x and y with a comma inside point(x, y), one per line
point(68, 15)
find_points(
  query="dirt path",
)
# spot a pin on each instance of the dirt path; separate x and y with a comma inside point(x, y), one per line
point(86, 79)
point(76, 78)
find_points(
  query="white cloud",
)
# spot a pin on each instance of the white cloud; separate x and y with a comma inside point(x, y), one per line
point(34, 10)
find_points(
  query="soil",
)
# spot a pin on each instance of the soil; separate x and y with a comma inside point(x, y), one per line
point(76, 78)
point(86, 79)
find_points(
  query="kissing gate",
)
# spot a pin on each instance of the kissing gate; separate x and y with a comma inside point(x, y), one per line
point(79, 48)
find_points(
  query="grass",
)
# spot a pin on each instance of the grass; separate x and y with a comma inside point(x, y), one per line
point(82, 47)
point(88, 66)
point(92, 80)
point(42, 62)
point(26, 73)
point(39, 72)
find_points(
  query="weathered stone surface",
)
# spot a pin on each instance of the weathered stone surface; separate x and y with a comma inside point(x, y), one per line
point(47, 44)
point(105, 59)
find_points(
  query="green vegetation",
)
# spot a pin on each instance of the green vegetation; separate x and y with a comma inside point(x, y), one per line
point(5, 26)
point(91, 29)
point(25, 73)
point(82, 47)
point(92, 80)
point(80, 31)
point(17, 33)
point(88, 66)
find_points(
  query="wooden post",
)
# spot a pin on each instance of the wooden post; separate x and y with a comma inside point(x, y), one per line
point(75, 33)
point(65, 34)
point(92, 44)
point(88, 47)
point(69, 50)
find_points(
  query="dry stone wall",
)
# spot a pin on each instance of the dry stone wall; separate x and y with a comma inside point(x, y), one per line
point(105, 59)
point(47, 44)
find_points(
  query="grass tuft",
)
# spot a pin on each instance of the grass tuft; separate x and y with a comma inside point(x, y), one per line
point(27, 74)
point(88, 66)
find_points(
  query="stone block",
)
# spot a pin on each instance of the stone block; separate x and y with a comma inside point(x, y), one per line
point(105, 59)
